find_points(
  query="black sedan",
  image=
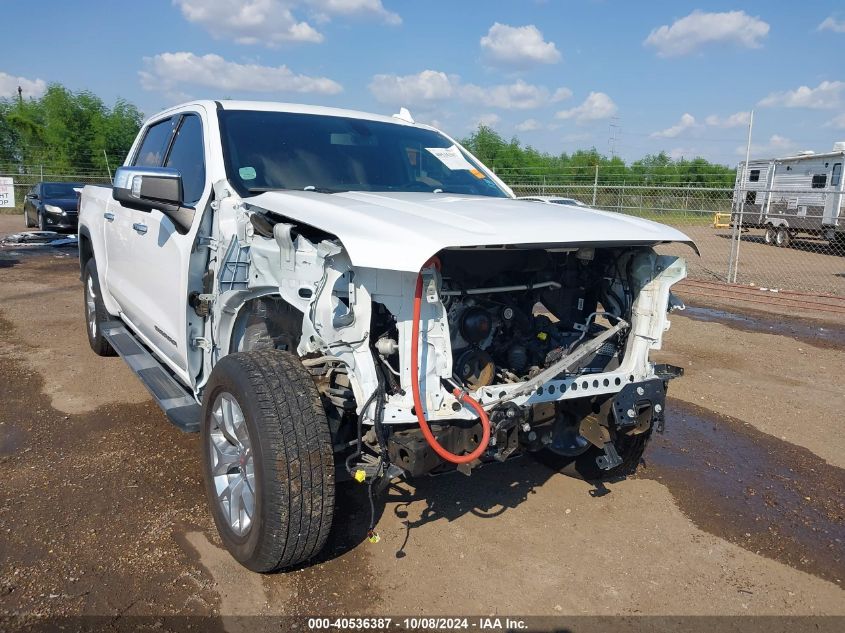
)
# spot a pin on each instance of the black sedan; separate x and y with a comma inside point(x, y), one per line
point(52, 206)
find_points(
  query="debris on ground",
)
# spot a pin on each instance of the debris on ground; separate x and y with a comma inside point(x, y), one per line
point(39, 238)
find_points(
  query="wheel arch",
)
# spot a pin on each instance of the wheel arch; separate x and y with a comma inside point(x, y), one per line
point(282, 323)
point(86, 249)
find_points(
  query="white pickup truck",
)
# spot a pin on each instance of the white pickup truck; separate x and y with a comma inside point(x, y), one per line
point(324, 293)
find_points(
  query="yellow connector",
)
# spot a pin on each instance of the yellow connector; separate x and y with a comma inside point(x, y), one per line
point(360, 475)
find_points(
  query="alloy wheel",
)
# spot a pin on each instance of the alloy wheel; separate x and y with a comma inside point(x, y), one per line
point(91, 306)
point(232, 463)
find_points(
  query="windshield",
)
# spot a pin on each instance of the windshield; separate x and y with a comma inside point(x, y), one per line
point(59, 189)
point(328, 154)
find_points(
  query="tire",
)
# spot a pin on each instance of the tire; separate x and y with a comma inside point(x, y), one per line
point(95, 311)
point(42, 222)
point(769, 235)
point(29, 223)
point(584, 466)
point(783, 237)
point(281, 458)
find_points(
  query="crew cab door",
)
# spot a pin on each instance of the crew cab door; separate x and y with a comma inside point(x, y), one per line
point(148, 257)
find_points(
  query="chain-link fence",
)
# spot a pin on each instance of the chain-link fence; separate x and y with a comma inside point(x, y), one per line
point(26, 176)
point(778, 239)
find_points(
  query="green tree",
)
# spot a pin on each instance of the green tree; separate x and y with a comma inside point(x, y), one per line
point(65, 132)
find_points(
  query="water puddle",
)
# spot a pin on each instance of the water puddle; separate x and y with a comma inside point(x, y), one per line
point(806, 331)
point(752, 489)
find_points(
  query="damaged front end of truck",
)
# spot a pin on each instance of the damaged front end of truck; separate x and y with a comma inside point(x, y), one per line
point(472, 352)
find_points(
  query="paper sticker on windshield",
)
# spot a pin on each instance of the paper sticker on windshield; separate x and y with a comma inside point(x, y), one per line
point(451, 157)
point(247, 173)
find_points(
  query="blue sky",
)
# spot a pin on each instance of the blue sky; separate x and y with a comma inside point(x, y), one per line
point(675, 76)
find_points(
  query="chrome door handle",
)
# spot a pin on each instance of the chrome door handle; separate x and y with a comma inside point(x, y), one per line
point(140, 228)
point(109, 216)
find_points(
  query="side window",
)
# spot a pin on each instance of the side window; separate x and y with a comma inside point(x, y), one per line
point(152, 150)
point(819, 181)
point(836, 175)
point(187, 156)
point(754, 175)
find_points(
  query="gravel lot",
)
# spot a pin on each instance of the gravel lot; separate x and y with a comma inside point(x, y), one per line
point(738, 510)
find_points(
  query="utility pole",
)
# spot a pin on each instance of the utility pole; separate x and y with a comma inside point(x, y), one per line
point(595, 184)
point(614, 128)
point(733, 265)
point(20, 95)
point(106, 156)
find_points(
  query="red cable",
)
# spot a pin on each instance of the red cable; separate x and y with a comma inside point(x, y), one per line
point(461, 396)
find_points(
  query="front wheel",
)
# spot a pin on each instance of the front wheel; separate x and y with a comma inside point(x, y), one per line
point(29, 223)
point(95, 312)
point(267, 459)
point(42, 222)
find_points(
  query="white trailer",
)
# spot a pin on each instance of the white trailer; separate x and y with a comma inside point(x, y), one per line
point(794, 194)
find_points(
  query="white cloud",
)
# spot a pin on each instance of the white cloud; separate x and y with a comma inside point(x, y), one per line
point(433, 85)
point(268, 22)
point(561, 94)
point(775, 140)
point(488, 120)
point(519, 95)
point(832, 24)
point(838, 122)
point(428, 85)
point(697, 29)
point(596, 106)
point(518, 46)
point(354, 8)
point(169, 72)
point(776, 144)
point(529, 125)
point(686, 122)
point(274, 22)
point(31, 87)
point(828, 94)
point(737, 119)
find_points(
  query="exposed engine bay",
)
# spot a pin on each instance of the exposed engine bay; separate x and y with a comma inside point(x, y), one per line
point(520, 317)
point(506, 326)
point(499, 350)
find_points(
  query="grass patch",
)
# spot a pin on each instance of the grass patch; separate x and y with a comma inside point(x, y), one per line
point(686, 218)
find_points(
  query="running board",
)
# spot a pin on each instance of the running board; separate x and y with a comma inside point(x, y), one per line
point(176, 401)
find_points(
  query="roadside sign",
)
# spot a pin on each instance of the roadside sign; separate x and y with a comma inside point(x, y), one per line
point(7, 192)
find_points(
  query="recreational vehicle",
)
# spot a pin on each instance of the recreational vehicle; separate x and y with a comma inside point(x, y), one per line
point(795, 194)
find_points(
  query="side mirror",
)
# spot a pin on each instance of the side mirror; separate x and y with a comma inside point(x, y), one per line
point(148, 188)
point(32, 196)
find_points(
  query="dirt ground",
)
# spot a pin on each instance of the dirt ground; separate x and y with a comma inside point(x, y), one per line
point(739, 508)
